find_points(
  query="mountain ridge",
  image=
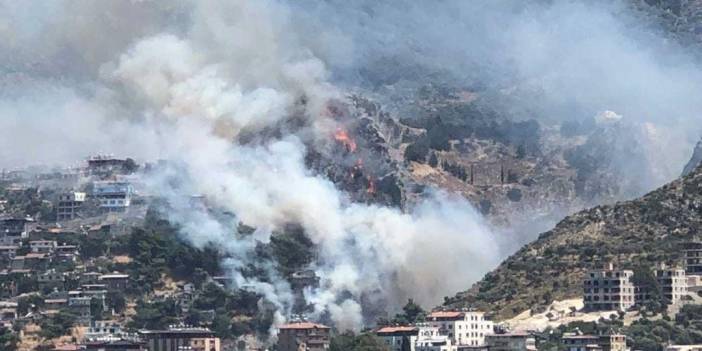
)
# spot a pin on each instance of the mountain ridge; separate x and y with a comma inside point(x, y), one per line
point(643, 231)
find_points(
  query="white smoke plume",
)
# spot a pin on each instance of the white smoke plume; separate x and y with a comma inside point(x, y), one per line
point(183, 80)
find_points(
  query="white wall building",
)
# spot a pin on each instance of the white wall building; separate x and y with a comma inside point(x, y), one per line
point(430, 338)
point(467, 328)
point(673, 282)
point(114, 196)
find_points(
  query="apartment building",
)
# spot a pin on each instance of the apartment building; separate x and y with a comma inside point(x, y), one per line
point(68, 205)
point(107, 165)
point(581, 342)
point(673, 282)
point(181, 337)
point(114, 196)
point(115, 281)
point(303, 336)
point(609, 289)
point(103, 330)
point(463, 328)
point(42, 246)
point(430, 338)
point(13, 230)
point(692, 251)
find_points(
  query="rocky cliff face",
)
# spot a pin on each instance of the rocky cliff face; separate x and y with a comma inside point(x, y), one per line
point(696, 159)
point(644, 231)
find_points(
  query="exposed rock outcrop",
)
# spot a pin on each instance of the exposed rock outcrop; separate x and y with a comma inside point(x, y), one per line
point(696, 159)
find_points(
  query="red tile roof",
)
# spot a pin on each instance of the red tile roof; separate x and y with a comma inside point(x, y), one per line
point(303, 325)
point(446, 314)
point(396, 329)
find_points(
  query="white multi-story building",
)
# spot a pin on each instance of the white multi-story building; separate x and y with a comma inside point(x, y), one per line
point(114, 196)
point(100, 330)
point(467, 328)
point(609, 289)
point(673, 282)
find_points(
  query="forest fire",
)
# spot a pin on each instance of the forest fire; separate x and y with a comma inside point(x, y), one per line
point(343, 137)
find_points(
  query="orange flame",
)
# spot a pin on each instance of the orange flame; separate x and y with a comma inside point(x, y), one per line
point(371, 186)
point(343, 137)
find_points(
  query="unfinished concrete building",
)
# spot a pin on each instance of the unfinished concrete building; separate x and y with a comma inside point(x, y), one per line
point(673, 282)
point(693, 258)
point(609, 289)
point(68, 205)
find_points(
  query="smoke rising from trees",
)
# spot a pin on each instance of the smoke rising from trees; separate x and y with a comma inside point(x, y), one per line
point(182, 80)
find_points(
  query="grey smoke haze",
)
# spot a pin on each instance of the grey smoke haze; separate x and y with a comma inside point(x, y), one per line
point(181, 80)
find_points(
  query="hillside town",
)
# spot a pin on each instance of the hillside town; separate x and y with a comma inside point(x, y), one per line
point(334, 175)
point(68, 285)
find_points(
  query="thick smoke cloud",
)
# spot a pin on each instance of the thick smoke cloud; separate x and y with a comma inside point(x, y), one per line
point(181, 81)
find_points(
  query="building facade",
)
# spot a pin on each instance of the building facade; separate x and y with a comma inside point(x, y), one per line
point(398, 338)
point(673, 282)
point(178, 338)
point(609, 289)
point(106, 165)
point(511, 342)
point(13, 230)
point(431, 339)
point(467, 328)
point(114, 196)
point(115, 281)
point(68, 205)
point(303, 335)
point(580, 342)
point(42, 246)
point(692, 252)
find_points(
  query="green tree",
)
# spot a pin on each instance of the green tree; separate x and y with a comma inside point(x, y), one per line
point(433, 160)
point(115, 301)
point(57, 325)
point(292, 249)
point(29, 303)
point(96, 308)
point(350, 342)
point(155, 315)
point(8, 339)
point(646, 280)
point(417, 151)
point(411, 313)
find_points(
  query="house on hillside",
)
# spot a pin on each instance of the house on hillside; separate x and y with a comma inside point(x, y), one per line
point(609, 289)
point(303, 336)
point(465, 327)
